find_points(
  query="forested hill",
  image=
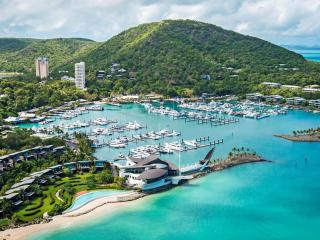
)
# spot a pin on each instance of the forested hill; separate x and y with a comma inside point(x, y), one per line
point(174, 56)
point(18, 54)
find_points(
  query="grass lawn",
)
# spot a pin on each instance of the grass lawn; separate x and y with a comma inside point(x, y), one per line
point(4, 222)
point(38, 206)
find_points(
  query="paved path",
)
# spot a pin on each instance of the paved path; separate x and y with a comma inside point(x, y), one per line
point(58, 196)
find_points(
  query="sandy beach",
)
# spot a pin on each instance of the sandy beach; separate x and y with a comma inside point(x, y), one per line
point(95, 209)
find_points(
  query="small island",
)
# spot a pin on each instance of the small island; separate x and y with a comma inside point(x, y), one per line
point(237, 157)
point(309, 135)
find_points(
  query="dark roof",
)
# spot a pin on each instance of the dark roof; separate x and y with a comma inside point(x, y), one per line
point(172, 166)
point(9, 196)
point(4, 157)
point(59, 148)
point(144, 160)
point(17, 189)
point(39, 174)
point(150, 160)
point(55, 167)
point(69, 163)
point(24, 182)
point(152, 174)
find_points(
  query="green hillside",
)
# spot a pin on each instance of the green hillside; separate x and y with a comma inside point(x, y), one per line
point(170, 57)
point(173, 57)
point(8, 45)
point(59, 51)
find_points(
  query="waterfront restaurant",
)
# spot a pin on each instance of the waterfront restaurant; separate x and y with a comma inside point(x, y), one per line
point(148, 173)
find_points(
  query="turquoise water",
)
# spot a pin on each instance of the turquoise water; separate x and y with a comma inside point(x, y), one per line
point(278, 200)
point(309, 54)
point(90, 196)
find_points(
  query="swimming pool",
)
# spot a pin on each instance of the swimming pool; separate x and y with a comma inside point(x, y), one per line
point(90, 196)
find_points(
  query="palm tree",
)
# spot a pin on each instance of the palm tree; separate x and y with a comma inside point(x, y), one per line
point(5, 207)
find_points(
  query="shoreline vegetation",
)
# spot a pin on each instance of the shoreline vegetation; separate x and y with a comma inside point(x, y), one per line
point(51, 193)
point(104, 205)
point(309, 135)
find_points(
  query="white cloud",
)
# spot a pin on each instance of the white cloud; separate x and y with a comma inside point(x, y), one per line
point(280, 21)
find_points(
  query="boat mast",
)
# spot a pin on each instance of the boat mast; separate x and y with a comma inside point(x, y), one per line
point(179, 163)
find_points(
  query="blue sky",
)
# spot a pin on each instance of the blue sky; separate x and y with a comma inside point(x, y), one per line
point(278, 21)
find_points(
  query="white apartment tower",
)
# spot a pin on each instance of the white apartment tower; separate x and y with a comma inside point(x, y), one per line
point(80, 75)
point(42, 67)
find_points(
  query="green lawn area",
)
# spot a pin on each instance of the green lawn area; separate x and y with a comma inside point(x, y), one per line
point(4, 222)
point(38, 206)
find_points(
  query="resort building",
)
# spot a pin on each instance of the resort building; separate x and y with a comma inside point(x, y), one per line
point(296, 101)
point(310, 90)
point(148, 174)
point(80, 75)
point(271, 84)
point(67, 78)
point(315, 103)
point(254, 96)
point(42, 68)
point(273, 98)
point(292, 87)
point(10, 160)
point(100, 75)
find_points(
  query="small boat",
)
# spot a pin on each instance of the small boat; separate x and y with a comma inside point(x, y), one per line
point(117, 144)
point(166, 150)
point(192, 143)
point(120, 157)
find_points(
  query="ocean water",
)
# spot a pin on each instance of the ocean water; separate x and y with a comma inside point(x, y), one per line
point(309, 54)
point(278, 200)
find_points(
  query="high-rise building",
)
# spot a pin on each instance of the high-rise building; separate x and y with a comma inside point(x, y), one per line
point(80, 75)
point(42, 67)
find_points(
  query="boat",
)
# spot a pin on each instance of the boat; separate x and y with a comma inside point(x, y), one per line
point(120, 157)
point(101, 121)
point(165, 150)
point(117, 144)
point(192, 143)
point(175, 146)
point(95, 108)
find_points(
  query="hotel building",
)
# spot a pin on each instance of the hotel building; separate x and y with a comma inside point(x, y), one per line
point(80, 75)
point(42, 68)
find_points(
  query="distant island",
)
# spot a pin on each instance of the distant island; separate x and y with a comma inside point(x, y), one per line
point(309, 135)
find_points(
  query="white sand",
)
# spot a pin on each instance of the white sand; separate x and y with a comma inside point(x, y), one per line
point(94, 209)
